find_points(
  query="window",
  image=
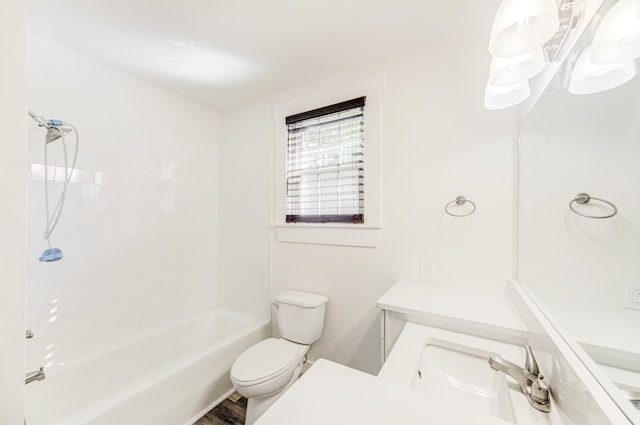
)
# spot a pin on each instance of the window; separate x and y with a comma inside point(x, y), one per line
point(325, 164)
point(362, 226)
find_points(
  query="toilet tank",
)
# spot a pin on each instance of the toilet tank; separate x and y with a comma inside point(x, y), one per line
point(300, 316)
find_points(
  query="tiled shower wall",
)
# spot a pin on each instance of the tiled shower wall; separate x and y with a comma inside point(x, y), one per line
point(139, 228)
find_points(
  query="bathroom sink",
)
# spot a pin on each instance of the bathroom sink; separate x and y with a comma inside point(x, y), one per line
point(460, 374)
point(453, 368)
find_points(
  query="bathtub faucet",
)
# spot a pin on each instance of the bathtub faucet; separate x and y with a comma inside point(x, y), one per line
point(529, 378)
point(37, 375)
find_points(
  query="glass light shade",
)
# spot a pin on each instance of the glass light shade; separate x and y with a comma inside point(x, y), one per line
point(500, 97)
point(588, 77)
point(515, 69)
point(617, 38)
point(523, 25)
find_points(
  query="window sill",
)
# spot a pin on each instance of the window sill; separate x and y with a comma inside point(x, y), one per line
point(358, 235)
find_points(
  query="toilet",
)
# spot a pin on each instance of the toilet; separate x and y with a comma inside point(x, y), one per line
point(264, 371)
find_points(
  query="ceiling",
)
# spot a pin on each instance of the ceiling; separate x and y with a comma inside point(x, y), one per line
point(225, 53)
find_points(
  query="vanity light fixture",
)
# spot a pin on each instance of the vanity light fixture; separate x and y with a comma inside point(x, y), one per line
point(500, 97)
point(522, 25)
point(588, 77)
point(526, 34)
point(617, 38)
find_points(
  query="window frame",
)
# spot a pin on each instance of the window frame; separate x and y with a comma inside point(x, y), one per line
point(347, 234)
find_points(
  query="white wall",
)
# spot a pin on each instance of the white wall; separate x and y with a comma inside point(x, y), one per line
point(245, 200)
point(13, 105)
point(438, 142)
point(139, 229)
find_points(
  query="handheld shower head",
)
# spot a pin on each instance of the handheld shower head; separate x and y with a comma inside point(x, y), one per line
point(56, 129)
point(50, 255)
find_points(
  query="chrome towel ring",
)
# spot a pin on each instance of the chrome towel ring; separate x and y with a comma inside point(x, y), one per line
point(458, 202)
point(584, 198)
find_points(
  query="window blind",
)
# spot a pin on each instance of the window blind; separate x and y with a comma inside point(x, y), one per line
point(325, 164)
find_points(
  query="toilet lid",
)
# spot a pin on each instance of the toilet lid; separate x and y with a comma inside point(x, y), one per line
point(266, 360)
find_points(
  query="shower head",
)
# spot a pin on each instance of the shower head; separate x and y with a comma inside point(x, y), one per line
point(48, 124)
point(41, 121)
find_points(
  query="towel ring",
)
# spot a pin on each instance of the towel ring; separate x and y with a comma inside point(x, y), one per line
point(459, 201)
point(584, 198)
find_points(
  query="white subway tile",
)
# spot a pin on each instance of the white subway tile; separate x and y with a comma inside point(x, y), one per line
point(139, 226)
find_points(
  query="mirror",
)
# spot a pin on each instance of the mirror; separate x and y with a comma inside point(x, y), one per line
point(586, 271)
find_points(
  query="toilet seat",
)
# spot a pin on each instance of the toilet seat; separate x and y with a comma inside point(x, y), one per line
point(267, 366)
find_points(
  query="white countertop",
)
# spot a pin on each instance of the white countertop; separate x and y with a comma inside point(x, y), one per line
point(330, 393)
point(450, 304)
point(609, 336)
point(593, 325)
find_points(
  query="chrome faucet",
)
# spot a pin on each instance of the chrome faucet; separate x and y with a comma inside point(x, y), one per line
point(37, 375)
point(529, 378)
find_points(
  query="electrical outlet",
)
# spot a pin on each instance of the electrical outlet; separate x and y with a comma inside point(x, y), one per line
point(426, 271)
point(633, 295)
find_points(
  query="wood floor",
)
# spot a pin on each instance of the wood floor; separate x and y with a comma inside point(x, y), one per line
point(226, 413)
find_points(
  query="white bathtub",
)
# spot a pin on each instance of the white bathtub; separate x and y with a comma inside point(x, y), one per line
point(170, 377)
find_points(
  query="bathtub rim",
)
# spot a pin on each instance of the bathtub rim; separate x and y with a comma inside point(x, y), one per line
point(251, 323)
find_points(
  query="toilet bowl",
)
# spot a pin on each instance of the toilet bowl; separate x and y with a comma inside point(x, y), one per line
point(264, 371)
point(267, 367)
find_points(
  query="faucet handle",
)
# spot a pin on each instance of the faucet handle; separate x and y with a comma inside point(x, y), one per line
point(530, 380)
point(531, 365)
